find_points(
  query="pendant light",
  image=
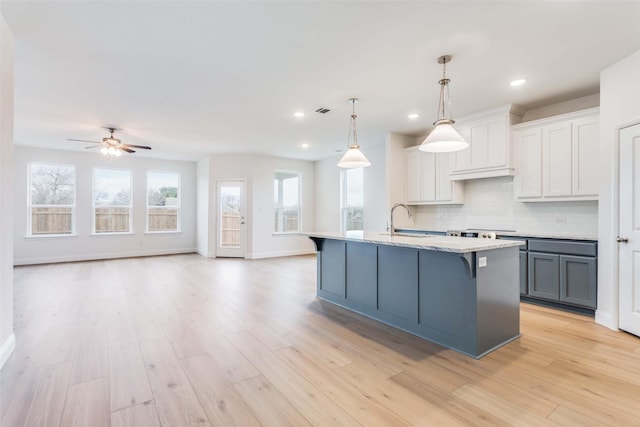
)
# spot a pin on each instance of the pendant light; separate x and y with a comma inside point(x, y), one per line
point(353, 158)
point(444, 137)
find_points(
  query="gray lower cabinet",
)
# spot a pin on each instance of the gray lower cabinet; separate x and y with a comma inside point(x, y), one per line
point(578, 280)
point(524, 288)
point(544, 276)
point(562, 271)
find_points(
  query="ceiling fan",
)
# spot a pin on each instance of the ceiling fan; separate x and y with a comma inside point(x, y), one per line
point(112, 146)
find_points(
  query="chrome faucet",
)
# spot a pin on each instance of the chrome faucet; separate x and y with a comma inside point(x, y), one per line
point(392, 230)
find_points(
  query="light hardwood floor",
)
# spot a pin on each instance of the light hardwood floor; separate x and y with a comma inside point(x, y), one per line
point(185, 340)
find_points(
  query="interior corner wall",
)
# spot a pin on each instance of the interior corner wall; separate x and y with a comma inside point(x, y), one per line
point(7, 338)
point(619, 106)
point(85, 245)
point(202, 207)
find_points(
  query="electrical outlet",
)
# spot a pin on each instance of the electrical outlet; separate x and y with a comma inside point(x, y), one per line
point(482, 261)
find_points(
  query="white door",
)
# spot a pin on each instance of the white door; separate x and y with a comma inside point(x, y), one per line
point(629, 237)
point(231, 208)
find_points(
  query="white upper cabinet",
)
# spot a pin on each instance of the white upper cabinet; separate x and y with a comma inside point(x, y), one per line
point(489, 153)
point(557, 157)
point(428, 181)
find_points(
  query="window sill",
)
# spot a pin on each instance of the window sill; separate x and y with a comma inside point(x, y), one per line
point(163, 232)
point(124, 233)
point(286, 233)
point(50, 236)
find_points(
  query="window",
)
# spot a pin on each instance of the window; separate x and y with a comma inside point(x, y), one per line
point(52, 202)
point(111, 201)
point(286, 187)
point(352, 199)
point(163, 202)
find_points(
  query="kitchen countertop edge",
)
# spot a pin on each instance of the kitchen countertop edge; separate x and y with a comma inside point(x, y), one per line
point(432, 242)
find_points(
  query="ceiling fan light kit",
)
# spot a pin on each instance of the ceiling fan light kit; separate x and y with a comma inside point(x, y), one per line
point(111, 146)
point(444, 138)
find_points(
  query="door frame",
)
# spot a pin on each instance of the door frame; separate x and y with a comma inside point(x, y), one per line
point(243, 250)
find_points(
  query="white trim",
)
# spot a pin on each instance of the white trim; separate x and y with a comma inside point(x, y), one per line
point(49, 236)
point(113, 233)
point(7, 348)
point(99, 256)
point(276, 254)
point(606, 319)
point(206, 254)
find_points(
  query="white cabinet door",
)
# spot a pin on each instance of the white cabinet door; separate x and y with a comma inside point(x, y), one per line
point(585, 157)
point(414, 176)
point(568, 147)
point(528, 147)
point(556, 163)
point(428, 177)
point(498, 142)
point(428, 181)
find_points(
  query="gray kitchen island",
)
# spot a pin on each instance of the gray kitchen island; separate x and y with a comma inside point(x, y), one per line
point(461, 293)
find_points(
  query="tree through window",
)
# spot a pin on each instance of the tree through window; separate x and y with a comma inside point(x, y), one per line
point(52, 200)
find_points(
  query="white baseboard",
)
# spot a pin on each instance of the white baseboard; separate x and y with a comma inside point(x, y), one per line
point(206, 254)
point(606, 319)
point(99, 256)
point(276, 254)
point(7, 348)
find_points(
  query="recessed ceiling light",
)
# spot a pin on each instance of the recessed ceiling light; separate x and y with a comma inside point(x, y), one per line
point(298, 114)
point(305, 145)
point(413, 115)
point(518, 82)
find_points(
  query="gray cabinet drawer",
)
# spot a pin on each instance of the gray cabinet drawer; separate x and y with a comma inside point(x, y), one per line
point(567, 247)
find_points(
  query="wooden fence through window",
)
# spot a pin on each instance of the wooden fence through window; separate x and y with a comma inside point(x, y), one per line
point(112, 220)
point(230, 229)
point(51, 220)
point(163, 219)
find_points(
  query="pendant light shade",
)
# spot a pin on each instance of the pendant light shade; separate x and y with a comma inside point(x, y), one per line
point(444, 138)
point(353, 158)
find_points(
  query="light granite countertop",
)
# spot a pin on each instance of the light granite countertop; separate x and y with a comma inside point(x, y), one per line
point(538, 234)
point(425, 242)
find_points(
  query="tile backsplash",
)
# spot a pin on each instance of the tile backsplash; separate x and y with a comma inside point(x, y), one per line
point(489, 203)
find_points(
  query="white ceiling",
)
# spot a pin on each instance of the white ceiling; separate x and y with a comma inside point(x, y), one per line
point(194, 78)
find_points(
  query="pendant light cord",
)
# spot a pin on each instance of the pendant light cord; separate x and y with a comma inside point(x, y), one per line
point(352, 128)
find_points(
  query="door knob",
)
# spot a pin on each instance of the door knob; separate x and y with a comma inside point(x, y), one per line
point(622, 239)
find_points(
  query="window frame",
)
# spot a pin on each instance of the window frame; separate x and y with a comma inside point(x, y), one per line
point(279, 203)
point(94, 232)
point(30, 204)
point(178, 208)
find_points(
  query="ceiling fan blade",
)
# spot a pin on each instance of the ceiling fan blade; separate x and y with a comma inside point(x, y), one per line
point(123, 148)
point(83, 140)
point(137, 146)
point(93, 146)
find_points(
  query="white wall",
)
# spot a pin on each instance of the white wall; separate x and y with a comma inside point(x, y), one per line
point(327, 191)
point(619, 105)
point(7, 338)
point(376, 213)
point(396, 177)
point(259, 173)
point(489, 203)
point(202, 207)
point(86, 246)
point(569, 106)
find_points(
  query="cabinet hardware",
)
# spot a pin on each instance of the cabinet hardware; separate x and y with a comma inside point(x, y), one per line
point(622, 239)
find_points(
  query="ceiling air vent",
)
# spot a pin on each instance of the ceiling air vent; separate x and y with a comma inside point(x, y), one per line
point(322, 110)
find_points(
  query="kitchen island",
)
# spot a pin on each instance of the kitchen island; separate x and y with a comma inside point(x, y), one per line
point(461, 293)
